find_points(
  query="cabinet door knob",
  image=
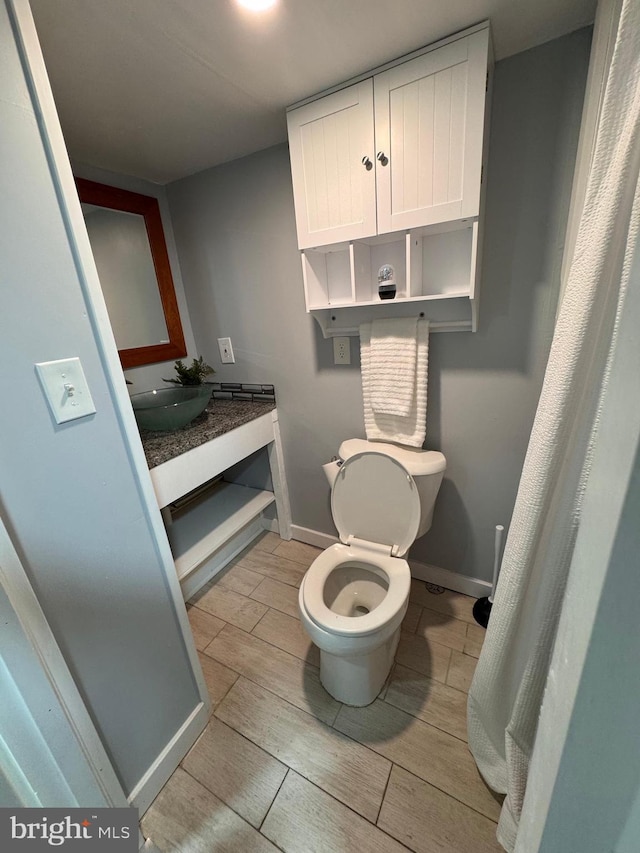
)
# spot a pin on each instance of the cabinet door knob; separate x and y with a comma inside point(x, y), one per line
point(366, 162)
point(382, 158)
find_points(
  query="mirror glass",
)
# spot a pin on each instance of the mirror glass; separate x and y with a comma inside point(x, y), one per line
point(127, 277)
point(127, 240)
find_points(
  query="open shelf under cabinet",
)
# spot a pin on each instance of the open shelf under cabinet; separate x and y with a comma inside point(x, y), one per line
point(435, 268)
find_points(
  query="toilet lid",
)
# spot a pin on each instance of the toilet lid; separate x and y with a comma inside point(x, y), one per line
point(374, 498)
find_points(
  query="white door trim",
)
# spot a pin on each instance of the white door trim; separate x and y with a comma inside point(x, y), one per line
point(22, 598)
point(62, 177)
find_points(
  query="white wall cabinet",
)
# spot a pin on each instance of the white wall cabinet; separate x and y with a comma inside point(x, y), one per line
point(389, 170)
point(331, 143)
point(429, 121)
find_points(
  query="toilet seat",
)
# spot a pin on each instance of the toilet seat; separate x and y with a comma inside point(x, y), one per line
point(375, 499)
point(395, 569)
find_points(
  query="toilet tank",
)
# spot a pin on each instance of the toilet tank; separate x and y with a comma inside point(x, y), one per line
point(426, 467)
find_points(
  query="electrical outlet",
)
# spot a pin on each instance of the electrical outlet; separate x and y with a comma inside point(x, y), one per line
point(341, 351)
point(226, 351)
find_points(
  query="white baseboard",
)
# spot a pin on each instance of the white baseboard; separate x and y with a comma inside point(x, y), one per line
point(450, 580)
point(313, 537)
point(432, 574)
point(158, 774)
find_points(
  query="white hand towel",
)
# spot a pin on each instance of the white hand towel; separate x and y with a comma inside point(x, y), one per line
point(393, 365)
point(409, 429)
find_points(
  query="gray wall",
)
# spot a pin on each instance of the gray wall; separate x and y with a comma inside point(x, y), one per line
point(235, 233)
point(68, 493)
point(588, 809)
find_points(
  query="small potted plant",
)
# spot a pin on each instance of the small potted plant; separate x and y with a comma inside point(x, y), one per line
point(193, 375)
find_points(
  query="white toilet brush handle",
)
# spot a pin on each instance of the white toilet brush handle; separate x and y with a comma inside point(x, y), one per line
point(497, 547)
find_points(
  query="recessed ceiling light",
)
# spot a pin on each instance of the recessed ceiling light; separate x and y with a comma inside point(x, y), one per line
point(257, 5)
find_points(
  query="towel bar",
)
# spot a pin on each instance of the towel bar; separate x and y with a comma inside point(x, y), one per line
point(331, 331)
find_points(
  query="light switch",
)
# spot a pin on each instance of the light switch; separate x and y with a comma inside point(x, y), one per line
point(66, 389)
point(226, 351)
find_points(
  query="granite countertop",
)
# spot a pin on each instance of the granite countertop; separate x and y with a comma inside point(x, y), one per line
point(219, 417)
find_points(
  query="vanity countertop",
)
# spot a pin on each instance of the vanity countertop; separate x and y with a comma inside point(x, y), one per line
point(220, 417)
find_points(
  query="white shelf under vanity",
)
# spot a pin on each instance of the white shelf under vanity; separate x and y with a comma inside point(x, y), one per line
point(210, 519)
point(202, 526)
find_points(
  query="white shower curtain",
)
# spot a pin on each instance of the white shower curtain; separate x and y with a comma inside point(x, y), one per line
point(507, 690)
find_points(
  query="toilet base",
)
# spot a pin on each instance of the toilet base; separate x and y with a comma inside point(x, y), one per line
point(357, 679)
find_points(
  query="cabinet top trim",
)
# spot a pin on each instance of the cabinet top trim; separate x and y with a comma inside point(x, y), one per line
point(483, 25)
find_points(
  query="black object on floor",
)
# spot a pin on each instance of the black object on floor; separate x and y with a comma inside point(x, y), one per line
point(482, 611)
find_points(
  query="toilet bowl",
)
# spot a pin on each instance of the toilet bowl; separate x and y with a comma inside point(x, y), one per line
point(354, 596)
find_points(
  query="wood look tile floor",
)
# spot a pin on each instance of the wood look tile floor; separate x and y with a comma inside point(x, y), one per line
point(283, 766)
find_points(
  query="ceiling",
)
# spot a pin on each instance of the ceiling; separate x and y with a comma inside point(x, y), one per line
point(161, 89)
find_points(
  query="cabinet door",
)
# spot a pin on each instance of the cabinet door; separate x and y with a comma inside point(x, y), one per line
point(333, 190)
point(429, 115)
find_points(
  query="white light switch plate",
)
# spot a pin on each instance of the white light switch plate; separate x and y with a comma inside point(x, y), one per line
point(66, 389)
point(226, 351)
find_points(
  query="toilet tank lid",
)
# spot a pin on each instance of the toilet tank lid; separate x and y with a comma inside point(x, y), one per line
point(417, 462)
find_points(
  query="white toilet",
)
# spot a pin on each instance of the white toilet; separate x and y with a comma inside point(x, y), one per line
point(354, 596)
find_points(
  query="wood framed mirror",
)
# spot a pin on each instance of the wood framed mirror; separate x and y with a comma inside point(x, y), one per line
point(130, 251)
